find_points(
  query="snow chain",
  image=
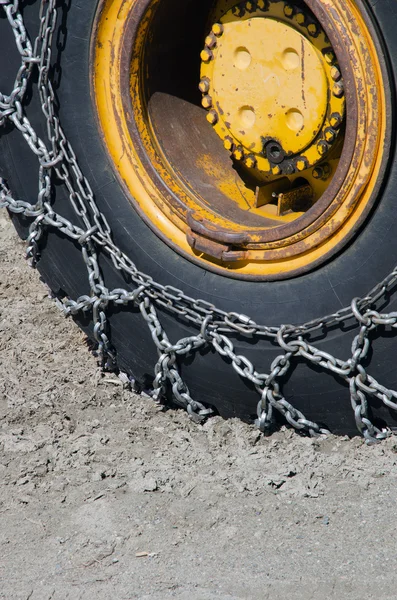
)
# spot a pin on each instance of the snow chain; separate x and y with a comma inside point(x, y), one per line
point(56, 158)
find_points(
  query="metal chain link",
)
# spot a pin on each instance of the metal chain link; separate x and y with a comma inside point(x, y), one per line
point(214, 326)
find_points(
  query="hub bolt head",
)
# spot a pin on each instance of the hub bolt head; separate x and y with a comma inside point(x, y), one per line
point(217, 29)
point(210, 40)
point(206, 101)
point(262, 5)
point(312, 29)
point(289, 11)
point(300, 18)
point(206, 55)
point(322, 147)
point(330, 135)
point(276, 170)
point(289, 169)
point(322, 172)
point(238, 153)
point(301, 164)
point(228, 143)
point(329, 57)
point(250, 6)
point(204, 85)
point(335, 73)
point(335, 120)
point(250, 161)
point(338, 90)
point(212, 117)
point(238, 11)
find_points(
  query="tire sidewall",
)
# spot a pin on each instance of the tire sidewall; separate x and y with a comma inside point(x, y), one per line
point(353, 272)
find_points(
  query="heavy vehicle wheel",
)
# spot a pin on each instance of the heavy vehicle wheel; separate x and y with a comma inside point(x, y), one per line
point(241, 152)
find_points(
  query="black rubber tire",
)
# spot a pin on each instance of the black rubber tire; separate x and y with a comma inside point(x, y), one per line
point(210, 378)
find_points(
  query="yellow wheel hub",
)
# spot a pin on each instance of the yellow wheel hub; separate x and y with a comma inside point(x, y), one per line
point(273, 88)
point(276, 164)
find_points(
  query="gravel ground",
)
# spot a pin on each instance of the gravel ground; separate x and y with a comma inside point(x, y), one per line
point(104, 495)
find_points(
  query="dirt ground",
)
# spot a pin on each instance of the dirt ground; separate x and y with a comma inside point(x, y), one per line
point(106, 496)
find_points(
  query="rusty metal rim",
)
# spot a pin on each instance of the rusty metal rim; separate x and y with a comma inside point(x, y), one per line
point(320, 210)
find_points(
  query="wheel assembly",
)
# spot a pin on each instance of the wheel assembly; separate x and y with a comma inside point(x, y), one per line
point(216, 196)
point(282, 171)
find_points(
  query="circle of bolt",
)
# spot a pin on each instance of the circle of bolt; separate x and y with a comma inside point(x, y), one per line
point(213, 326)
point(207, 56)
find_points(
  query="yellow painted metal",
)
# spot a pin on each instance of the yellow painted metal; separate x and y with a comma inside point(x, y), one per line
point(264, 76)
point(261, 87)
point(283, 256)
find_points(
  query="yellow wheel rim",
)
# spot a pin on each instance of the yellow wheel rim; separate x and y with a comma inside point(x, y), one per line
point(218, 197)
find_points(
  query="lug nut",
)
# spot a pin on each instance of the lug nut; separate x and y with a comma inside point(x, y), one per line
point(238, 153)
point(228, 143)
point(327, 170)
point(250, 161)
point(329, 57)
point(206, 55)
point(238, 11)
point(338, 90)
point(210, 40)
point(212, 117)
point(206, 101)
point(335, 73)
point(335, 120)
point(204, 85)
point(312, 29)
point(217, 29)
point(289, 11)
point(322, 172)
point(322, 148)
point(300, 18)
point(301, 164)
point(276, 170)
point(289, 169)
point(330, 135)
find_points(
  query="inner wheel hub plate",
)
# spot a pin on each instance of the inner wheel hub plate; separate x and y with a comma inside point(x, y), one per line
point(260, 87)
point(272, 87)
